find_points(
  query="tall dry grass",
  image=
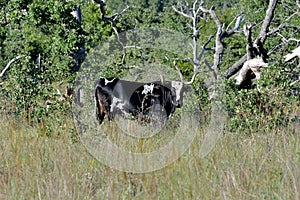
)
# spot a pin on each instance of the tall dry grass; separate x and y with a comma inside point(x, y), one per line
point(258, 166)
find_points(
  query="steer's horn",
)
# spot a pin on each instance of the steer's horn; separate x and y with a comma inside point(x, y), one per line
point(162, 80)
point(196, 69)
point(179, 71)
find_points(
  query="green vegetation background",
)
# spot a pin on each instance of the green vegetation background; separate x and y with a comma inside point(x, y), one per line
point(50, 37)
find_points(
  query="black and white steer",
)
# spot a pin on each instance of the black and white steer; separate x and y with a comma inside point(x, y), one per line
point(114, 96)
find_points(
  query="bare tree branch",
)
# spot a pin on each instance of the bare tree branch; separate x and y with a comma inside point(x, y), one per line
point(282, 26)
point(267, 21)
point(220, 35)
point(249, 48)
point(181, 13)
point(238, 20)
point(256, 58)
point(290, 40)
point(204, 48)
point(197, 12)
point(193, 14)
point(258, 43)
point(112, 19)
point(10, 63)
point(235, 67)
point(179, 71)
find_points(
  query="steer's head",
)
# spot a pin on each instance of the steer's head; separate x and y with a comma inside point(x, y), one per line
point(178, 88)
point(181, 86)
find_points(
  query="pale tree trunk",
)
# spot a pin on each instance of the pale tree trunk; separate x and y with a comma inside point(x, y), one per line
point(254, 49)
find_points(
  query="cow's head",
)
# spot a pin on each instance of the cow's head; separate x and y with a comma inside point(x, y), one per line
point(181, 86)
point(178, 88)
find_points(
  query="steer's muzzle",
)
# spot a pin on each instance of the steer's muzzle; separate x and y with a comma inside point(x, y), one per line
point(178, 104)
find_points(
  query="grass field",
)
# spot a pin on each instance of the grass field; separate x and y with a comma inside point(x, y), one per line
point(253, 166)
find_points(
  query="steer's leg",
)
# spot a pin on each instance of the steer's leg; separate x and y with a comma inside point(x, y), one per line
point(110, 116)
point(100, 104)
point(100, 114)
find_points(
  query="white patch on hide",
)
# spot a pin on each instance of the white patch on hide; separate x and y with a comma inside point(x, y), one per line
point(148, 89)
point(117, 103)
point(107, 81)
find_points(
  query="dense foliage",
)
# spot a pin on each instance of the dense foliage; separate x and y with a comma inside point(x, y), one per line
point(49, 38)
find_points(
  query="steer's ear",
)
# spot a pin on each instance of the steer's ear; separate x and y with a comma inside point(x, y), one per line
point(162, 79)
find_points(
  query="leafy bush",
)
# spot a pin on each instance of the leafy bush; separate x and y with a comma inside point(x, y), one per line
point(272, 105)
point(48, 37)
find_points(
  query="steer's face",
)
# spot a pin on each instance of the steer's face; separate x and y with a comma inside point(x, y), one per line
point(178, 87)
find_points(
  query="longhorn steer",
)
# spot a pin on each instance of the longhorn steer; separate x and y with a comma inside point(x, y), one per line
point(115, 96)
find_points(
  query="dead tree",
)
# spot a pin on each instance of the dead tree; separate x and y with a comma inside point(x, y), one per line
point(253, 65)
point(256, 58)
point(195, 13)
point(259, 41)
point(241, 70)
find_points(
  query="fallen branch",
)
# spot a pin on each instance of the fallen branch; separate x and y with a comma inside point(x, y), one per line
point(9, 64)
point(290, 56)
point(253, 65)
